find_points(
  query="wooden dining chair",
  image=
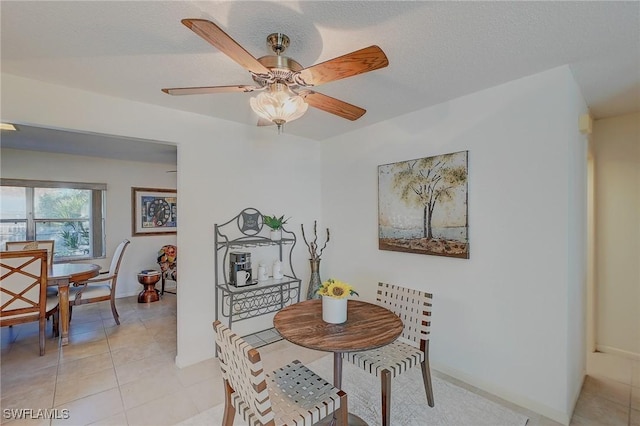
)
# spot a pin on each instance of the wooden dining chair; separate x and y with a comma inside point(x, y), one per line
point(100, 288)
point(291, 395)
point(23, 290)
point(412, 348)
point(48, 245)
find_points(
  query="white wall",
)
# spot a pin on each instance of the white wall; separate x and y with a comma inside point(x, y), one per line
point(616, 143)
point(223, 167)
point(119, 176)
point(501, 319)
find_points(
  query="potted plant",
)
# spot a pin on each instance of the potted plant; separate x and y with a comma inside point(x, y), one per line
point(275, 223)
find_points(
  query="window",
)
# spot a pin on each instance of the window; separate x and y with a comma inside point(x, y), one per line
point(71, 214)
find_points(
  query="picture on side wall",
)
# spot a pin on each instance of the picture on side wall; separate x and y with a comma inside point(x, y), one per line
point(154, 211)
point(423, 206)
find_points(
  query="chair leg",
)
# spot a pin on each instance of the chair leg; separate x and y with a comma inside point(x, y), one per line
point(43, 324)
point(426, 377)
point(343, 412)
point(162, 288)
point(229, 411)
point(56, 324)
point(70, 312)
point(114, 311)
point(385, 381)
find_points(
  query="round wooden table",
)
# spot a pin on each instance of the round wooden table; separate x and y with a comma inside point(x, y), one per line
point(61, 275)
point(368, 326)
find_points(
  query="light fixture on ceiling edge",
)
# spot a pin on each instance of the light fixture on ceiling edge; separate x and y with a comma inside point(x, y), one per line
point(279, 105)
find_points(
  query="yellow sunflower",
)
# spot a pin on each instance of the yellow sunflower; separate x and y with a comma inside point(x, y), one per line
point(336, 289)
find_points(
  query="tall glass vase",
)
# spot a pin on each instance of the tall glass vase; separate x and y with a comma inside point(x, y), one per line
point(315, 282)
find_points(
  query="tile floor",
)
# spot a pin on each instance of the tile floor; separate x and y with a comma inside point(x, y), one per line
point(126, 375)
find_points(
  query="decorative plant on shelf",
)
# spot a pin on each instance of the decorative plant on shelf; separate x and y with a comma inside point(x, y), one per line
point(314, 260)
point(274, 222)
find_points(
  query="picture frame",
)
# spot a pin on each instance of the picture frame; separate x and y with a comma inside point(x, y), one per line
point(154, 211)
point(423, 206)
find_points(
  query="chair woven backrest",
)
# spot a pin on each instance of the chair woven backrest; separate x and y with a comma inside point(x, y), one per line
point(23, 283)
point(242, 368)
point(33, 245)
point(412, 306)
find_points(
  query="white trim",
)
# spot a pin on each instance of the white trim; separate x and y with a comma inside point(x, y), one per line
point(619, 352)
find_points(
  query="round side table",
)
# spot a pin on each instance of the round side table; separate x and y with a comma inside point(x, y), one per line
point(149, 294)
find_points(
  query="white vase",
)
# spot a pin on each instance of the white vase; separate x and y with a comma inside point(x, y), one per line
point(334, 311)
point(275, 234)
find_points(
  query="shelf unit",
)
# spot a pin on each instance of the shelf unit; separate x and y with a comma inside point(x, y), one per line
point(247, 231)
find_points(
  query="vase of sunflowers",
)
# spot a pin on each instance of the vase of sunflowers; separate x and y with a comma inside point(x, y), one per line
point(334, 300)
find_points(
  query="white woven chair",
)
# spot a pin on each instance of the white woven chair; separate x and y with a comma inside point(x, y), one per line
point(291, 395)
point(412, 348)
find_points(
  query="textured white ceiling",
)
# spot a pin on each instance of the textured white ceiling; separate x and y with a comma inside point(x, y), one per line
point(437, 51)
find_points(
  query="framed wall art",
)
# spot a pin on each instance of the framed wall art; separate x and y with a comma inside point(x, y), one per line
point(423, 206)
point(154, 211)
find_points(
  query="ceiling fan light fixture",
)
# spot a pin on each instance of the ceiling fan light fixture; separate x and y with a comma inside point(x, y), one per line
point(279, 105)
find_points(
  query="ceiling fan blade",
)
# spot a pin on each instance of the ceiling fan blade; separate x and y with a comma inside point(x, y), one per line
point(208, 90)
point(332, 105)
point(221, 40)
point(354, 63)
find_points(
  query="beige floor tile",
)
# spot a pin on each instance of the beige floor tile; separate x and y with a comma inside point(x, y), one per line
point(127, 354)
point(84, 327)
point(72, 370)
point(146, 389)
point(24, 358)
point(634, 418)
point(78, 349)
point(80, 387)
point(99, 406)
point(34, 397)
point(207, 393)
point(597, 409)
point(21, 380)
point(165, 411)
point(146, 367)
point(607, 388)
point(119, 341)
point(199, 372)
point(117, 420)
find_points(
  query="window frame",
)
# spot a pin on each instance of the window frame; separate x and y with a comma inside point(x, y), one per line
point(97, 220)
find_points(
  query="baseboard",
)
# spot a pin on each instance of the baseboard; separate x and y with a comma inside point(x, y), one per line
point(619, 352)
point(509, 396)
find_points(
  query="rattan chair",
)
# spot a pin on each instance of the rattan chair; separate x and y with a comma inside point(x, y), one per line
point(23, 290)
point(291, 395)
point(100, 288)
point(412, 348)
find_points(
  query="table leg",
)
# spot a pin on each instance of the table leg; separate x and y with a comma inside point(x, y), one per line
point(337, 382)
point(63, 300)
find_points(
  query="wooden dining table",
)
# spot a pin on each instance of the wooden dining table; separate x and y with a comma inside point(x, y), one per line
point(368, 326)
point(61, 275)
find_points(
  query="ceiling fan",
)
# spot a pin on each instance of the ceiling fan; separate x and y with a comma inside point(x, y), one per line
point(284, 84)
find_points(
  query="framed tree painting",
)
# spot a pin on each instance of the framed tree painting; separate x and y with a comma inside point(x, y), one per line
point(423, 206)
point(154, 211)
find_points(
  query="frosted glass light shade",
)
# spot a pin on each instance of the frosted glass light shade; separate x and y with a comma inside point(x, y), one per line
point(279, 105)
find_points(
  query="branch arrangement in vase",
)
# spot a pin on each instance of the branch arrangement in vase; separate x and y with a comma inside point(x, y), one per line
point(313, 245)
